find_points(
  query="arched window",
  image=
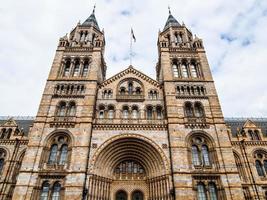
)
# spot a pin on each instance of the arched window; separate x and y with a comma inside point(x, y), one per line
point(121, 195)
point(149, 112)
point(61, 109)
point(122, 90)
point(101, 112)
point(205, 154)
point(137, 195)
point(72, 109)
point(199, 111)
point(259, 168)
point(66, 70)
point(159, 112)
point(3, 133)
point(53, 154)
point(184, 70)
point(76, 68)
point(56, 191)
point(63, 154)
point(201, 156)
point(240, 168)
point(195, 155)
point(213, 191)
point(125, 112)
point(110, 112)
point(193, 69)
point(45, 191)
point(189, 109)
point(135, 113)
point(201, 194)
point(8, 134)
point(130, 88)
point(175, 70)
point(138, 90)
point(85, 68)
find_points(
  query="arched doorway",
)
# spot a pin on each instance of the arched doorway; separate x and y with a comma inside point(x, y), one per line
point(121, 195)
point(137, 195)
point(132, 164)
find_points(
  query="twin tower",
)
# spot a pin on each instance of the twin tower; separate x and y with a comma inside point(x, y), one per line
point(129, 137)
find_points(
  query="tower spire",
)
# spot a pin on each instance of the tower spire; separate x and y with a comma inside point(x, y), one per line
point(91, 20)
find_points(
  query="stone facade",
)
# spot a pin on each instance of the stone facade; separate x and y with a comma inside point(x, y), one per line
point(130, 136)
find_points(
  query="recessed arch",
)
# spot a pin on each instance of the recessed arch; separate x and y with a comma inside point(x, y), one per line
point(129, 146)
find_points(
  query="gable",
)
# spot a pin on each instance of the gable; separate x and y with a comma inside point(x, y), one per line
point(249, 124)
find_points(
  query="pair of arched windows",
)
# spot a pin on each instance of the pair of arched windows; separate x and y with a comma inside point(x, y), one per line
point(133, 113)
point(153, 94)
point(201, 155)
point(110, 113)
point(185, 70)
point(261, 164)
point(254, 135)
point(66, 109)
point(76, 69)
point(194, 110)
point(154, 113)
point(203, 191)
point(5, 133)
point(49, 192)
point(58, 151)
point(107, 94)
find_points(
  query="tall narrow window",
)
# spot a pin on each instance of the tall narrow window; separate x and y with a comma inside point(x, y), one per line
point(63, 154)
point(259, 168)
point(2, 161)
point(199, 111)
point(111, 112)
point(175, 70)
point(61, 109)
point(205, 154)
point(135, 113)
point(125, 113)
point(130, 88)
point(184, 70)
point(201, 194)
point(76, 69)
point(56, 191)
point(193, 70)
point(85, 68)
point(159, 113)
point(149, 113)
point(66, 70)
point(188, 109)
point(213, 191)
point(72, 109)
point(195, 155)
point(44, 191)
point(53, 154)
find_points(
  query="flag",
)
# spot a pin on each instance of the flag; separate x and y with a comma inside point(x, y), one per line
point(133, 36)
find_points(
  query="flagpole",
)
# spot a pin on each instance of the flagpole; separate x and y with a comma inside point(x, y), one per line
point(131, 47)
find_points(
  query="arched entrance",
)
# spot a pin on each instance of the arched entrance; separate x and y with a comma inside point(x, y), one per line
point(121, 195)
point(133, 164)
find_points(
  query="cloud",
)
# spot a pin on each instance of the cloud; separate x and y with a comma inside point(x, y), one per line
point(234, 35)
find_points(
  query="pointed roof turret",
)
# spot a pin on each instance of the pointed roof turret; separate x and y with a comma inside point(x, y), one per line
point(91, 21)
point(171, 21)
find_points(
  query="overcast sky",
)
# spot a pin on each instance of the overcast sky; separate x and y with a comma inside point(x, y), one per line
point(234, 34)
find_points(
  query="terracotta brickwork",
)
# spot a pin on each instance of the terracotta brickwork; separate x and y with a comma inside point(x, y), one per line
point(130, 136)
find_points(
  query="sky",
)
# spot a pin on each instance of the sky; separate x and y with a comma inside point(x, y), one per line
point(234, 34)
